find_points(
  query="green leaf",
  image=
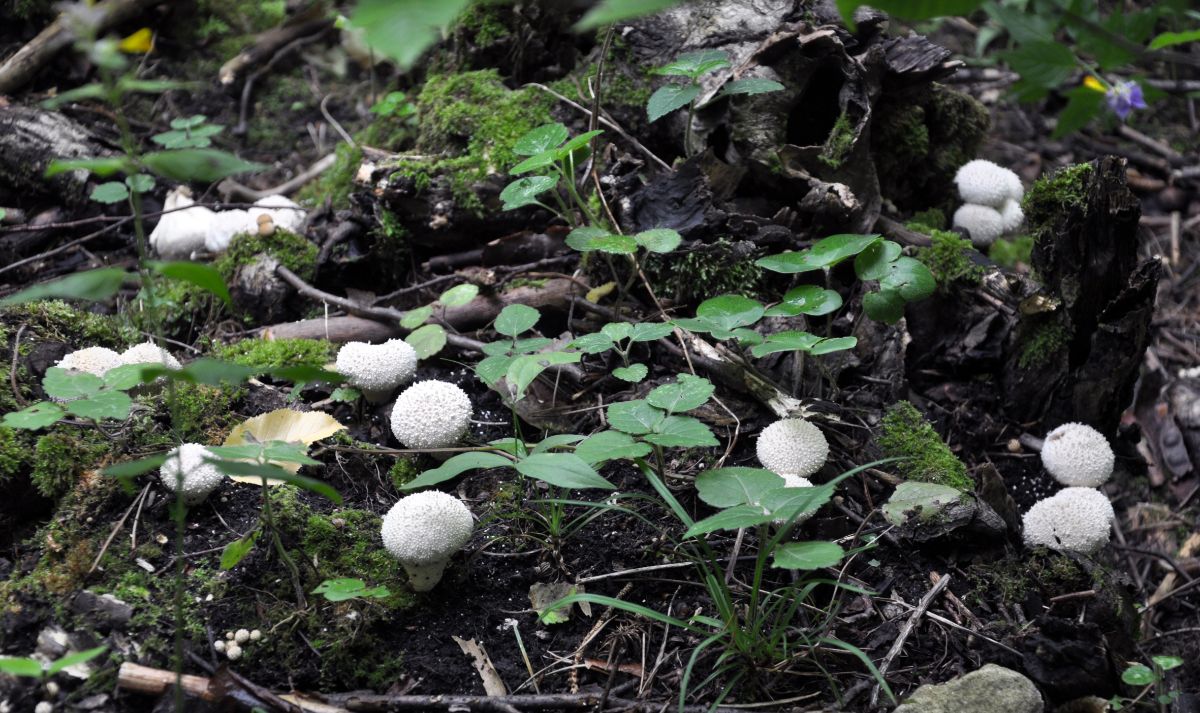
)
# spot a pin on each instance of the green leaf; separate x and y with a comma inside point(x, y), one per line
point(1170, 39)
point(1166, 663)
point(669, 98)
point(595, 343)
point(806, 299)
point(533, 163)
point(634, 417)
point(563, 470)
point(909, 277)
point(106, 405)
point(492, 369)
point(727, 487)
point(516, 319)
point(617, 331)
point(659, 240)
point(272, 472)
point(543, 138)
point(1083, 105)
point(140, 182)
point(524, 191)
point(681, 432)
point(824, 254)
point(927, 499)
point(576, 144)
point(203, 165)
point(207, 370)
point(733, 518)
point(34, 417)
point(134, 468)
point(68, 385)
point(885, 306)
point(102, 167)
point(188, 122)
point(610, 445)
point(524, 369)
point(427, 340)
point(206, 277)
point(19, 666)
point(589, 239)
point(340, 590)
point(633, 373)
point(87, 91)
point(111, 192)
point(751, 85)
point(1139, 675)
point(609, 11)
point(1045, 63)
point(556, 442)
point(688, 392)
point(807, 555)
point(789, 341)
point(836, 344)
point(788, 503)
point(74, 660)
point(458, 295)
point(728, 312)
point(237, 550)
point(650, 331)
point(416, 317)
point(94, 285)
point(403, 29)
point(875, 260)
point(694, 64)
point(455, 466)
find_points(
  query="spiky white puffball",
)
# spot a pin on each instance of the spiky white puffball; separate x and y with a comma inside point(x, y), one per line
point(285, 213)
point(423, 531)
point(199, 476)
point(792, 445)
point(795, 481)
point(180, 233)
point(149, 353)
point(377, 369)
point(1011, 216)
point(91, 360)
point(1071, 520)
point(431, 414)
point(224, 226)
point(985, 183)
point(1077, 454)
point(982, 223)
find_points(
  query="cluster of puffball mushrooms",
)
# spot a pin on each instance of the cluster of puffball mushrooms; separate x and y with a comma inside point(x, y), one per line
point(186, 228)
point(1077, 518)
point(992, 201)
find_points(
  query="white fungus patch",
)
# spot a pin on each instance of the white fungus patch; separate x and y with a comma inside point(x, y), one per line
point(1077, 454)
point(982, 223)
point(1011, 216)
point(224, 226)
point(984, 183)
point(431, 414)
point(377, 369)
point(149, 353)
point(91, 360)
point(180, 233)
point(1072, 520)
point(284, 212)
point(199, 476)
point(423, 531)
point(794, 446)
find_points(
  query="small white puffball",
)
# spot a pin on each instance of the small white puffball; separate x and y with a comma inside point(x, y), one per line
point(233, 651)
point(985, 183)
point(180, 233)
point(229, 635)
point(983, 224)
point(224, 226)
point(792, 445)
point(149, 353)
point(92, 360)
point(219, 645)
point(423, 531)
point(241, 636)
point(44, 707)
point(1072, 520)
point(199, 476)
point(377, 369)
point(1011, 216)
point(255, 635)
point(1077, 454)
point(431, 414)
point(284, 212)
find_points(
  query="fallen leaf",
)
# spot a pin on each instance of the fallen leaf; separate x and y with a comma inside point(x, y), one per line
point(286, 425)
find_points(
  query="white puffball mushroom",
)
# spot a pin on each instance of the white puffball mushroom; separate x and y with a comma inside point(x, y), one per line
point(241, 636)
point(377, 369)
point(431, 414)
point(91, 360)
point(255, 635)
point(180, 233)
point(1077, 454)
point(199, 476)
point(1071, 520)
point(229, 635)
point(149, 353)
point(284, 212)
point(224, 226)
point(987, 184)
point(1011, 216)
point(423, 531)
point(982, 223)
point(219, 645)
point(792, 445)
point(44, 707)
point(233, 652)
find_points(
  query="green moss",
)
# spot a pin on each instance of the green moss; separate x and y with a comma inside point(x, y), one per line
point(906, 434)
point(15, 456)
point(59, 458)
point(1051, 195)
point(57, 321)
point(275, 353)
point(1010, 580)
point(295, 252)
point(705, 271)
point(927, 220)
point(949, 258)
point(482, 20)
point(346, 543)
point(337, 182)
point(1010, 252)
point(1045, 342)
point(839, 143)
point(200, 413)
point(402, 471)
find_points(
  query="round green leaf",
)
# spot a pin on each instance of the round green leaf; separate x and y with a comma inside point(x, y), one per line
point(140, 183)
point(203, 165)
point(728, 312)
point(659, 240)
point(789, 341)
point(807, 555)
point(726, 487)
point(34, 417)
point(885, 306)
point(111, 192)
point(875, 260)
point(824, 254)
point(634, 417)
point(909, 277)
point(669, 98)
point(806, 299)
point(687, 393)
point(836, 344)
point(516, 319)
point(67, 385)
point(633, 373)
point(459, 295)
point(751, 85)
point(543, 138)
point(427, 340)
point(1139, 675)
point(105, 405)
point(524, 191)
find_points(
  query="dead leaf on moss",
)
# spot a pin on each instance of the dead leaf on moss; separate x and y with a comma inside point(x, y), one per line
point(286, 425)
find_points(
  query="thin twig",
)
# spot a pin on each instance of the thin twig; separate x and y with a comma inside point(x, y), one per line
point(907, 629)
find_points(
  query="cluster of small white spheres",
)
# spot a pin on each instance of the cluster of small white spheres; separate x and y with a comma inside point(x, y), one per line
point(792, 446)
point(1071, 520)
point(187, 466)
point(91, 360)
point(1078, 455)
point(187, 228)
point(235, 641)
point(431, 414)
point(423, 531)
point(377, 369)
point(992, 201)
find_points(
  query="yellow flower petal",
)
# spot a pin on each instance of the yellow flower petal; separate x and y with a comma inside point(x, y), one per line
point(139, 42)
point(1094, 84)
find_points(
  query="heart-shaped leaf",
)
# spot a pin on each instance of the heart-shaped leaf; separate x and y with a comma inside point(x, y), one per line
point(524, 191)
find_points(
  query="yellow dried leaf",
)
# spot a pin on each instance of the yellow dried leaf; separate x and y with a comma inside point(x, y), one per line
point(598, 293)
point(285, 425)
point(139, 42)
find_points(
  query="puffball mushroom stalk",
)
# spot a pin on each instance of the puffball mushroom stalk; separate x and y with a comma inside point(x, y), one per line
point(1078, 455)
point(188, 469)
point(431, 414)
point(377, 369)
point(423, 531)
point(1071, 520)
point(794, 446)
point(992, 201)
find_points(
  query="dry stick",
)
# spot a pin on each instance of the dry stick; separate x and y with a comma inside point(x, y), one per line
point(233, 189)
point(907, 629)
point(117, 528)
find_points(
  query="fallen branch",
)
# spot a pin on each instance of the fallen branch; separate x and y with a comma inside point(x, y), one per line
point(231, 189)
point(898, 644)
point(266, 45)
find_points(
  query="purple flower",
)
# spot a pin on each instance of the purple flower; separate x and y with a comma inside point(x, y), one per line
point(1124, 97)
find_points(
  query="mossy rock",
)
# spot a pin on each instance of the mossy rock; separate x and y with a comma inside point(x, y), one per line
point(925, 457)
point(295, 252)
